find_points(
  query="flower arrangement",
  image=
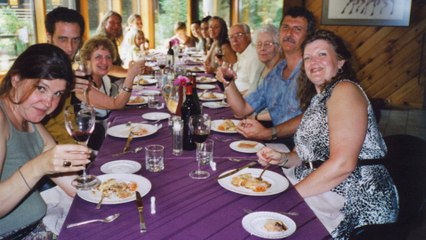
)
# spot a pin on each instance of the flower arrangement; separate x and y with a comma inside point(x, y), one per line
point(182, 81)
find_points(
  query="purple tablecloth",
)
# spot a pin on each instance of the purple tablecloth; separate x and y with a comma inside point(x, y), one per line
point(186, 208)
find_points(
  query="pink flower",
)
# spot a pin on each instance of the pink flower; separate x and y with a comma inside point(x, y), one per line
point(182, 81)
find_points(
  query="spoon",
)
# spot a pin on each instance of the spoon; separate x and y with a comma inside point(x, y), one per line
point(105, 220)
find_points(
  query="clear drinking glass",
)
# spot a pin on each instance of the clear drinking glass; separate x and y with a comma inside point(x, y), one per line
point(199, 126)
point(80, 123)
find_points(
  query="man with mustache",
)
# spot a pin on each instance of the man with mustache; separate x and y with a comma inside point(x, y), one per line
point(278, 92)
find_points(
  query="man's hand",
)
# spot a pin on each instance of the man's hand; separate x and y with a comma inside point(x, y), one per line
point(253, 129)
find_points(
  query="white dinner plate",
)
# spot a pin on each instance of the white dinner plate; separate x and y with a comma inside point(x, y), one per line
point(156, 116)
point(144, 81)
point(278, 182)
point(204, 79)
point(237, 146)
point(144, 186)
point(214, 105)
point(137, 100)
point(147, 92)
point(254, 224)
point(215, 125)
point(196, 69)
point(204, 97)
point(206, 86)
point(122, 130)
point(121, 166)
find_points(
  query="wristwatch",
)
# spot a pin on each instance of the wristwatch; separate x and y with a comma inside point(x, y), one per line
point(274, 133)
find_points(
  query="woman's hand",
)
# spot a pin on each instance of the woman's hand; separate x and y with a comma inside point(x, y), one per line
point(136, 68)
point(62, 159)
point(269, 156)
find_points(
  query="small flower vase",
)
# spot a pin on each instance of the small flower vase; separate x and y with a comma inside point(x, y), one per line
point(180, 101)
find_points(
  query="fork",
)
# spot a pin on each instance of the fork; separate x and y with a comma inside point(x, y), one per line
point(263, 171)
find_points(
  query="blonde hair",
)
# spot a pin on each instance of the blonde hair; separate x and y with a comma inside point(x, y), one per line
point(95, 43)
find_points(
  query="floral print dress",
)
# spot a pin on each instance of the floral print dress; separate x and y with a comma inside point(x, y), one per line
point(368, 195)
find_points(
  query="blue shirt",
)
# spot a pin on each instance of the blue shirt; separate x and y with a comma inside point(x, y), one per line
point(278, 95)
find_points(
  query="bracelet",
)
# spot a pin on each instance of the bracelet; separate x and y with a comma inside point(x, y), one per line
point(126, 89)
point(20, 173)
point(286, 159)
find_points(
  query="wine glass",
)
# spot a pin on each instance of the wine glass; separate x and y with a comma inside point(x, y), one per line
point(199, 126)
point(78, 65)
point(229, 75)
point(80, 123)
point(219, 55)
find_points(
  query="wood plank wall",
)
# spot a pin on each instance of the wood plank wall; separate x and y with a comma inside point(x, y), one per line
point(388, 57)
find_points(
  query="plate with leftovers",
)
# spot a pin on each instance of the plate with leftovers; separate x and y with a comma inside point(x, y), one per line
point(210, 96)
point(117, 188)
point(246, 146)
point(270, 225)
point(206, 86)
point(150, 92)
point(138, 129)
point(121, 166)
point(144, 81)
point(204, 79)
point(195, 69)
point(153, 116)
point(137, 100)
point(214, 105)
point(225, 125)
point(245, 182)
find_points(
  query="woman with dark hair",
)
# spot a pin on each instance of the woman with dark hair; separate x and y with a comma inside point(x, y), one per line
point(204, 28)
point(32, 89)
point(218, 31)
point(337, 163)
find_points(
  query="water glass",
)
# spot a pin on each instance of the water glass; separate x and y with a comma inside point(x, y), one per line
point(204, 152)
point(177, 130)
point(153, 101)
point(154, 158)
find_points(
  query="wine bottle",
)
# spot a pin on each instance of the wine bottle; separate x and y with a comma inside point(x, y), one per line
point(189, 108)
point(170, 56)
point(191, 77)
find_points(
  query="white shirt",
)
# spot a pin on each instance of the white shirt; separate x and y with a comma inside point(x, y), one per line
point(247, 68)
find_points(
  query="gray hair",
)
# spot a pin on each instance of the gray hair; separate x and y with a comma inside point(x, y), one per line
point(267, 28)
point(244, 26)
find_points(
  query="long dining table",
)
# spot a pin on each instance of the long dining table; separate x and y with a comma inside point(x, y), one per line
point(185, 208)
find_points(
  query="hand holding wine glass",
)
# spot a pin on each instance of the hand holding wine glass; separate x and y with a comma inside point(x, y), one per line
point(199, 126)
point(80, 123)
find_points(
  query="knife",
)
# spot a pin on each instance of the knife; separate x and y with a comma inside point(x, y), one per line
point(236, 170)
point(139, 204)
point(129, 139)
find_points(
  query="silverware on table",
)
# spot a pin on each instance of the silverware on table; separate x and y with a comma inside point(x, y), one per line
point(128, 141)
point(98, 206)
point(237, 170)
point(105, 220)
point(139, 204)
point(136, 150)
point(263, 171)
point(241, 159)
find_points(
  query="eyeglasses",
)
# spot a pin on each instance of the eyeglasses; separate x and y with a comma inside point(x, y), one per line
point(267, 45)
point(237, 35)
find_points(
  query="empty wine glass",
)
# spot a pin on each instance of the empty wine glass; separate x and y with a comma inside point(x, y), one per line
point(199, 125)
point(80, 123)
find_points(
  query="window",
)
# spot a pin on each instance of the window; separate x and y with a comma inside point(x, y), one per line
point(17, 31)
point(52, 4)
point(167, 13)
point(256, 13)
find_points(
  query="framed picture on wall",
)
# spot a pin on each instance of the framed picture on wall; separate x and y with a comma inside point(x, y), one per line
point(366, 12)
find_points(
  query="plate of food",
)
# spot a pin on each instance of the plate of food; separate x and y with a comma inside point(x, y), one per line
point(154, 116)
point(195, 69)
point(210, 96)
point(245, 182)
point(246, 146)
point(121, 166)
point(144, 81)
point(205, 79)
point(138, 130)
point(214, 105)
point(117, 188)
point(148, 92)
point(206, 86)
point(269, 225)
point(225, 125)
point(137, 100)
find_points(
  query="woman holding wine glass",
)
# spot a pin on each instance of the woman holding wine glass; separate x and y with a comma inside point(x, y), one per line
point(221, 48)
point(32, 89)
point(98, 54)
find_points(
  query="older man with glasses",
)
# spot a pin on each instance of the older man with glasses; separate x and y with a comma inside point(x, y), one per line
point(248, 65)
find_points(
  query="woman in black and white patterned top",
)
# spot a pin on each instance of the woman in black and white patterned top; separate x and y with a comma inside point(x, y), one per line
point(336, 164)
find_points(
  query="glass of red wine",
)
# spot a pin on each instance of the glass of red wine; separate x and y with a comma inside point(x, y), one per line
point(219, 55)
point(229, 75)
point(80, 123)
point(199, 125)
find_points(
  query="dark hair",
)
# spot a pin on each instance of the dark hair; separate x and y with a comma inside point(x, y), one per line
point(62, 14)
point(206, 19)
point(295, 12)
point(306, 88)
point(39, 61)
point(223, 34)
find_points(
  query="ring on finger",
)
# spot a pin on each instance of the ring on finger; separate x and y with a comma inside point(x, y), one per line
point(66, 163)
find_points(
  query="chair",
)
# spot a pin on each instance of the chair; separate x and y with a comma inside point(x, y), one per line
point(406, 163)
